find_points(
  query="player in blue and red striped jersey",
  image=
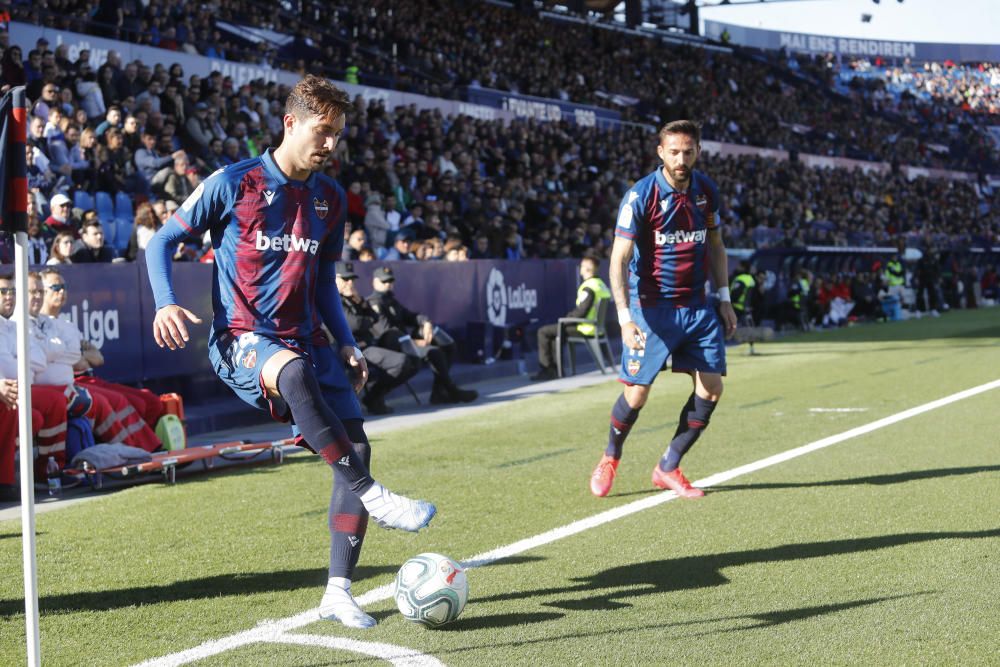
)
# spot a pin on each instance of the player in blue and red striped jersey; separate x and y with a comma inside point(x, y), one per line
point(277, 228)
point(668, 234)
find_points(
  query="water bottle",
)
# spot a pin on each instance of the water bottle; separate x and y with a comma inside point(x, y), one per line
point(54, 476)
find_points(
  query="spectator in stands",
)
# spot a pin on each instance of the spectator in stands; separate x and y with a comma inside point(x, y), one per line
point(149, 161)
point(400, 249)
point(146, 224)
point(199, 130)
point(181, 180)
point(89, 93)
point(112, 119)
point(436, 347)
point(83, 157)
point(389, 368)
point(12, 67)
point(230, 151)
point(48, 100)
point(115, 172)
point(93, 250)
point(375, 222)
point(38, 245)
point(355, 244)
point(62, 249)
point(131, 134)
point(61, 217)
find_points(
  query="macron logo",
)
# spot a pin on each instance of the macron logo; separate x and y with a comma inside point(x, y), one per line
point(344, 461)
point(269, 196)
point(697, 236)
point(353, 540)
point(286, 242)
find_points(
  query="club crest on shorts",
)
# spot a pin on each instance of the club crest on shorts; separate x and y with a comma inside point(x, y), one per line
point(633, 366)
point(250, 359)
point(322, 208)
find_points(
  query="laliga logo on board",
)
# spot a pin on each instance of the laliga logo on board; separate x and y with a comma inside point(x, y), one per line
point(96, 326)
point(500, 298)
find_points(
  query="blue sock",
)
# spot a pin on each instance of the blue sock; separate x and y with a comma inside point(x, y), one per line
point(623, 416)
point(693, 420)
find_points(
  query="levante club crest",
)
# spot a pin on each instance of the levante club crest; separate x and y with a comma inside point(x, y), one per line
point(633, 366)
point(322, 208)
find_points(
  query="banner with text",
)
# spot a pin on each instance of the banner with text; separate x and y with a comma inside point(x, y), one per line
point(851, 47)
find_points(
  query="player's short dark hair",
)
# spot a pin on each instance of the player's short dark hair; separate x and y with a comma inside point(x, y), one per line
point(315, 96)
point(686, 127)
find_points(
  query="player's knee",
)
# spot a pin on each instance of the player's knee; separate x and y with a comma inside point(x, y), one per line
point(636, 395)
point(356, 432)
point(296, 378)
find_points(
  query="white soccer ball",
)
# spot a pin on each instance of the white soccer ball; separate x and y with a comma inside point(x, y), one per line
point(431, 590)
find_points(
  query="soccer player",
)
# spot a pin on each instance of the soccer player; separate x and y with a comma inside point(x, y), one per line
point(277, 227)
point(668, 234)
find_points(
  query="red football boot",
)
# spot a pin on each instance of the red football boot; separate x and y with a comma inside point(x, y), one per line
point(676, 482)
point(603, 476)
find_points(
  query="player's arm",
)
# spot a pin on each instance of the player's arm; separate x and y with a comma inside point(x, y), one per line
point(207, 204)
point(331, 309)
point(718, 268)
point(621, 254)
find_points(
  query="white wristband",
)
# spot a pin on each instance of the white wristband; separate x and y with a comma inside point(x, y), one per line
point(724, 294)
point(624, 317)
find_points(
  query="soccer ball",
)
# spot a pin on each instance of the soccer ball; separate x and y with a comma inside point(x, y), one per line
point(431, 590)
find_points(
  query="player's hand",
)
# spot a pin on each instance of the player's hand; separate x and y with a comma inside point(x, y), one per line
point(170, 326)
point(8, 393)
point(728, 316)
point(428, 332)
point(633, 337)
point(356, 364)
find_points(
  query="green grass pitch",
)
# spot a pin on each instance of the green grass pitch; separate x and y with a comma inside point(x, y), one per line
point(882, 549)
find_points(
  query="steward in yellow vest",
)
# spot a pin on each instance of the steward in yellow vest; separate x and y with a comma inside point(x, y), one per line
point(591, 290)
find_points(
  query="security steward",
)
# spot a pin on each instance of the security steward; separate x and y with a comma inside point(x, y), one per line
point(388, 368)
point(741, 291)
point(587, 295)
point(426, 341)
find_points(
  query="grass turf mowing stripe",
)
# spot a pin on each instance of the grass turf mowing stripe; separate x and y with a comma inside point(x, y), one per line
point(274, 631)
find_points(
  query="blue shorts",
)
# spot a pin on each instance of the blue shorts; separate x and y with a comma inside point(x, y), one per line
point(691, 337)
point(237, 361)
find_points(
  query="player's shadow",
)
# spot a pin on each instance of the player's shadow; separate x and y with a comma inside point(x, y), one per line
point(876, 480)
point(189, 589)
point(495, 621)
point(610, 588)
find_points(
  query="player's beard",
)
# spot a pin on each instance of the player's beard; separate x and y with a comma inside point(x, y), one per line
point(680, 177)
point(318, 160)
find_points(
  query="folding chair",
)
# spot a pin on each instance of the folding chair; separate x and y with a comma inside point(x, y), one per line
point(596, 344)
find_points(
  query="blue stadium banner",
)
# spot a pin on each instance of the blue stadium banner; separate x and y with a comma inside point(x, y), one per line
point(543, 109)
point(851, 47)
point(13, 165)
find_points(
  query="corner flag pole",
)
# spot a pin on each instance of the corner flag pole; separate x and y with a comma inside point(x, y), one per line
point(14, 212)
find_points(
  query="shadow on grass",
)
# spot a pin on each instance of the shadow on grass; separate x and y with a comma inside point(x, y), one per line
point(189, 589)
point(500, 621)
point(894, 478)
point(764, 619)
point(705, 571)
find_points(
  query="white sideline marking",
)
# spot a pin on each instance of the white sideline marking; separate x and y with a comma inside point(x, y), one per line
point(397, 655)
point(271, 631)
point(838, 409)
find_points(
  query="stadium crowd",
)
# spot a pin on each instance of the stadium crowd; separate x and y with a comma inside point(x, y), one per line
point(438, 48)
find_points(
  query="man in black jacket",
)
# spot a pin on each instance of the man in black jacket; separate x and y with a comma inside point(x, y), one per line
point(388, 368)
point(425, 342)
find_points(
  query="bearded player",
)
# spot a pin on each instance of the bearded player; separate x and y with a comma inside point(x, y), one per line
point(667, 244)
point(277, 227)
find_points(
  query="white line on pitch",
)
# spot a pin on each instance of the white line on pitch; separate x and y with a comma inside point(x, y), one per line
point(271, 631)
